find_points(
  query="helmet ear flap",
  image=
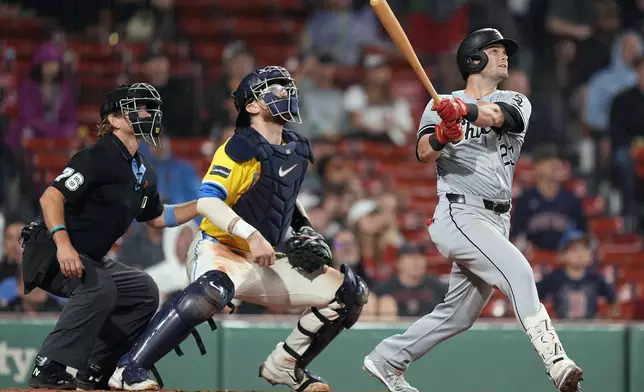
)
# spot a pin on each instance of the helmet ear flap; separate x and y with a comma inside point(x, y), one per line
point(472, 66)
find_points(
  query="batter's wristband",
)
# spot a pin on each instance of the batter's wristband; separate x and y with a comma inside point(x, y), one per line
point(434, 143)
point(473, 112)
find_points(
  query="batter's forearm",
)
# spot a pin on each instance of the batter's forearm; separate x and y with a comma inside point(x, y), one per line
point(222, 216)
point(489, 115)
point(425, 151)
point(52, 203)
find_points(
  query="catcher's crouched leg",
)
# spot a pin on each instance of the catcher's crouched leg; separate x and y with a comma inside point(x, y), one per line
point(172, 324)
point(315, 330)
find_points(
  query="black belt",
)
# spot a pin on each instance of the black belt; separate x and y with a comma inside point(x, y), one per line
point(500, 207)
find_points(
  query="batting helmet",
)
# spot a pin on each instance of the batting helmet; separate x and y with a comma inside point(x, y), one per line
point(275, 86)
point(471, 50)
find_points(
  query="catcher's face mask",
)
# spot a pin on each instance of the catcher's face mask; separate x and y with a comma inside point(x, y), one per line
point(275, 88)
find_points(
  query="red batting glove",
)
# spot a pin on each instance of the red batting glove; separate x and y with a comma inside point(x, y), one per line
point(451, 109)
point(448, 131)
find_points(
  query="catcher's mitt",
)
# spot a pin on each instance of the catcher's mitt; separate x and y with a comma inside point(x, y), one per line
point(307, 250)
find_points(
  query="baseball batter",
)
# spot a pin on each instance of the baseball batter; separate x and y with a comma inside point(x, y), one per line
point(471, 223)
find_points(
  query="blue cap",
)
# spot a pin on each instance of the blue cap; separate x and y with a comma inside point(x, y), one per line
point(572, 236)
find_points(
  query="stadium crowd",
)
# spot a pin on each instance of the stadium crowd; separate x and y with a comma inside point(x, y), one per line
point(577, 210)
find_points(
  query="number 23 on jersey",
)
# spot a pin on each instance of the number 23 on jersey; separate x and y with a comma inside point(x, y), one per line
point(507, 153)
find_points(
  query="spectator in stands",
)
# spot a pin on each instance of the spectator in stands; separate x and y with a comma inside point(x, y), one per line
point(569, 19)
point(547, 122)
point(338, 30)
point(45, 100)
point(142, 248)
point(36, 301)
point(594, 53)
point(170, 275)
point(378, 240)
point(10, 261)
point(626, 123)
point(154, 22)
point(345, 249)
point(375, 113)
point(411, 292)
point(633, 12)
point(180, 116)
point(322, 221)
point(546, 211)
point(602, 88)
point(334, 172)
point(237, 62)
point(321, 102)
point(178, 181)
point(575, 288)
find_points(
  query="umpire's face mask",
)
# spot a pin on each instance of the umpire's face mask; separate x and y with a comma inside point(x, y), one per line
point(144, 115)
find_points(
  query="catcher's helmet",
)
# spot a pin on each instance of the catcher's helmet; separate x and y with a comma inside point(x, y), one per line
point(276, 87)
point(128, 100)
point(471, 50)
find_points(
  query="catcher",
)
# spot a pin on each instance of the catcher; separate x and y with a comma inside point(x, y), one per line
point(249, 202)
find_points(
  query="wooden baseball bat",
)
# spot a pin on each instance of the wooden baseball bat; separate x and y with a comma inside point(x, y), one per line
point(397, 34)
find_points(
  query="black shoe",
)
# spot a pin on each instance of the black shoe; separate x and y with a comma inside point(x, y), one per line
point(92, 379)
point(49, 374)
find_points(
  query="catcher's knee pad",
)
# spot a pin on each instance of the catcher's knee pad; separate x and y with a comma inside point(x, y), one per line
point(324, 325)
point(197, 303)
point(353, 294)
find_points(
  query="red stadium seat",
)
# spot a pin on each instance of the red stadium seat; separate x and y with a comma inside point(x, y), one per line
point(606, 226)
point(51, 162)
point(594, 206)
point(49, 145)
point(542, 257)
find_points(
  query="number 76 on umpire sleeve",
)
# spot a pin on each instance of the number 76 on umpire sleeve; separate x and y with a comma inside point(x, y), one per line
point(74, 179)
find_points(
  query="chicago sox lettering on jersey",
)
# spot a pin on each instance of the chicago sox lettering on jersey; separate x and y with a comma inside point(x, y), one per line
point(483, 162)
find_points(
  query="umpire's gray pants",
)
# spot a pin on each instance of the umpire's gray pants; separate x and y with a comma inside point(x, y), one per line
point(476, 240)
point(104, 315)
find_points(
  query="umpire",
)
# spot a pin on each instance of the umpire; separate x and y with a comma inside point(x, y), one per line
point(88, 207)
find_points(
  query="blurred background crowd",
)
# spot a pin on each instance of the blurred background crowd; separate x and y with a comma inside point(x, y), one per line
point(577, 212)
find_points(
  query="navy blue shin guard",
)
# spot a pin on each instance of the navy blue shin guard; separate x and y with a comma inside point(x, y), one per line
point(197, 303)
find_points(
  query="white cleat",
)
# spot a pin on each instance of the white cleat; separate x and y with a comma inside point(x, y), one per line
point(134, 379)
point(279, 369)
point(566, 376)
point(392, 379)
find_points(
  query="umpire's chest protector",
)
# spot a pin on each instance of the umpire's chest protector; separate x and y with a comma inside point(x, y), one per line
point(268, 204)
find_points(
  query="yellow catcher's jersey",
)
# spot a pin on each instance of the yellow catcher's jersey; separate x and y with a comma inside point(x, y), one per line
point(227, 180)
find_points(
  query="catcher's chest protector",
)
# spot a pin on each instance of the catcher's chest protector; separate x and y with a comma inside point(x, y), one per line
point(268, 205)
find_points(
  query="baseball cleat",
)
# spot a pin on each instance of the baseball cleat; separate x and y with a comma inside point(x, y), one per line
point(132, 378)
point(567, 376)
point(392, 379)
point(49, 374)
point(279, 369)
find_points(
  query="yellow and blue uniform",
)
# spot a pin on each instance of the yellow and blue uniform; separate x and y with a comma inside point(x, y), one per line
point(227, 180)
point(259, 181)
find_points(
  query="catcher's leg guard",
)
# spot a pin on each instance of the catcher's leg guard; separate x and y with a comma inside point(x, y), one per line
point(198, 302)
point(318, 327)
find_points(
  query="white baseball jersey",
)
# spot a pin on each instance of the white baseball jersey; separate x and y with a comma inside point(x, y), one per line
point(482, 164)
